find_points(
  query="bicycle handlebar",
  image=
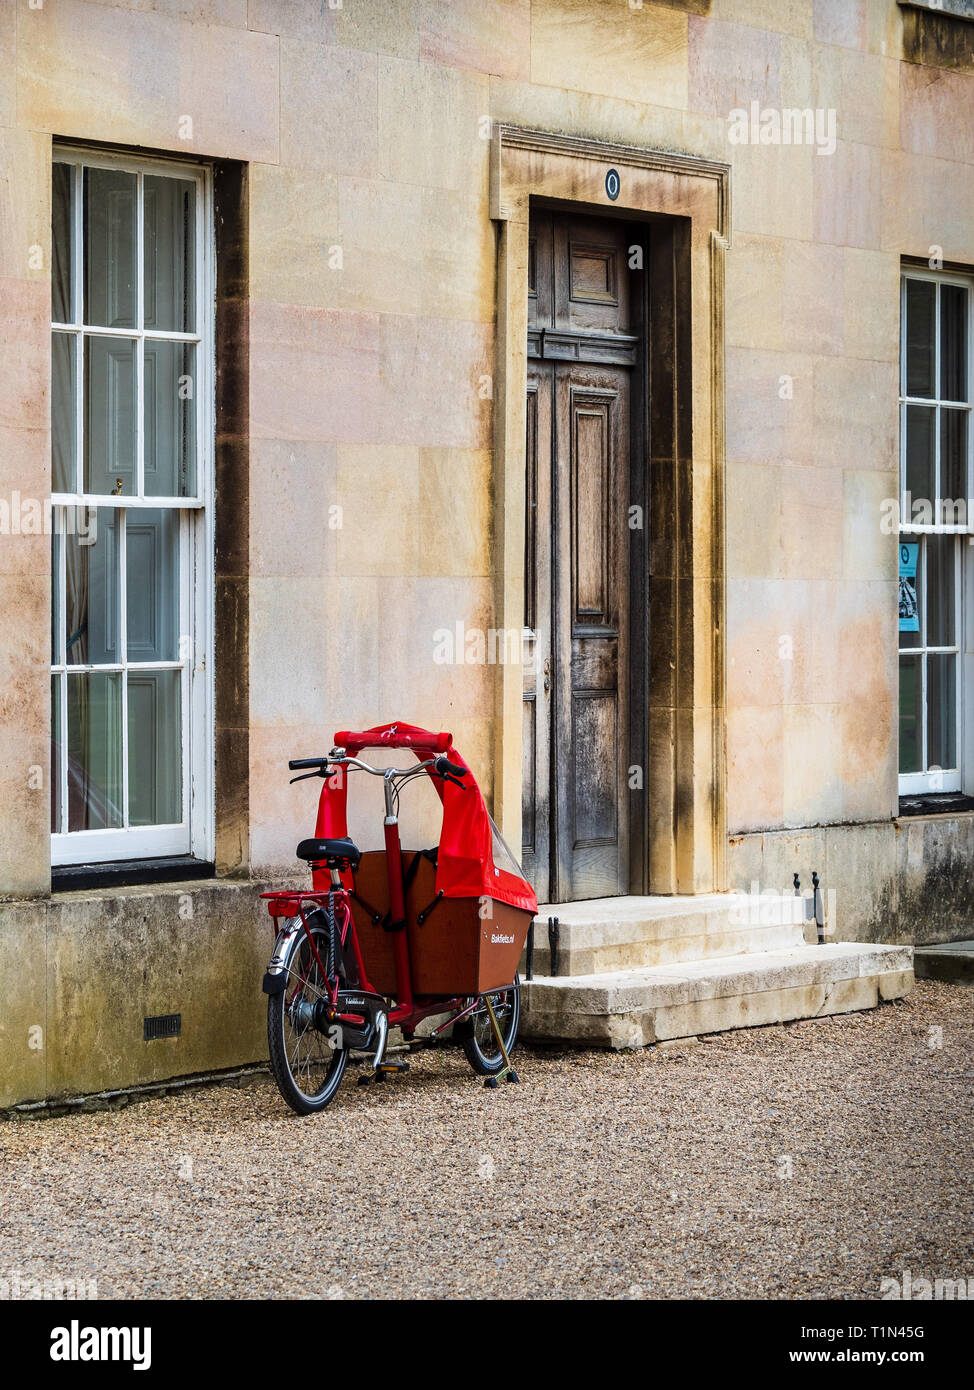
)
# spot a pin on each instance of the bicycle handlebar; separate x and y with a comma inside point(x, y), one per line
point(444, 767)
point(441, 765)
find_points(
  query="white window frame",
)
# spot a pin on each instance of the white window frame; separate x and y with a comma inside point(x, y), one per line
point(960, 777)
point(194, 833)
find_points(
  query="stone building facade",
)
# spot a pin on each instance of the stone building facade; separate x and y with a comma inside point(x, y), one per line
point(279, 272)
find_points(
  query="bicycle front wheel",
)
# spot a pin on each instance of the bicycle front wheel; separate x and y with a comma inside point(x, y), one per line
point(306, 1066)
point(477, 1035)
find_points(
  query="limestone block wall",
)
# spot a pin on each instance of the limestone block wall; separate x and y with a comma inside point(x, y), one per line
point(82, 971)
point(370, 298)
point(365, 129)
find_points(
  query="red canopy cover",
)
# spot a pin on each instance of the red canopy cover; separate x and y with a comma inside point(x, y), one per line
point(473, 860)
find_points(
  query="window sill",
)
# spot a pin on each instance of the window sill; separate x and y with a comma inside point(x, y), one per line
point(952, 9)
point(939, 33)
point(936, 804)
point(66, 878)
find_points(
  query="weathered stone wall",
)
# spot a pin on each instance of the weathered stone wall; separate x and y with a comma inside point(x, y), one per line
point(81, 971)
point(907, 880)
point(365, 129)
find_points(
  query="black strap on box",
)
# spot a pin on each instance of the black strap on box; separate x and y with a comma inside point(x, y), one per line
point(430, 908)
point(376, 917)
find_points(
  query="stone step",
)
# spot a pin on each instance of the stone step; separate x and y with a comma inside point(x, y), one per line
point(952, 961)
point(633, 1008)
point(610, 934)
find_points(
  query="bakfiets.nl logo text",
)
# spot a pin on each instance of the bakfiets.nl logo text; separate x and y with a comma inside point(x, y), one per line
point(77, 1343)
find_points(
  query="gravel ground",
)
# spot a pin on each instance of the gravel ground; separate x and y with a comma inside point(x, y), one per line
point(806, 1161)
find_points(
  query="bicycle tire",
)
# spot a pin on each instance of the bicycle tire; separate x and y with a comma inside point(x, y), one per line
point(473, 1033)
point(280, 1016)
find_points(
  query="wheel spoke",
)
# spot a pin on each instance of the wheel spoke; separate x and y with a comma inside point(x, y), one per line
point(308, 1058)
point(483, 1032)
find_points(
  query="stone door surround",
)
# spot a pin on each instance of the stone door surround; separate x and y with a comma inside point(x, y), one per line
point(687, 202)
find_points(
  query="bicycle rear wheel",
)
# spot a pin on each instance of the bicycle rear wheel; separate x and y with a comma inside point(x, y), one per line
point(477, 1036)
point(306, 1066)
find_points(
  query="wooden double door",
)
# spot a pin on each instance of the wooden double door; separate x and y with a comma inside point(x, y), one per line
point(583, 361)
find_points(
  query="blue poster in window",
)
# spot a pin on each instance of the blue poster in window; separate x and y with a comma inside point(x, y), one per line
point(909, 604)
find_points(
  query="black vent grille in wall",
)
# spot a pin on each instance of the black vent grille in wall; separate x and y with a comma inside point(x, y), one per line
point(162, 1026)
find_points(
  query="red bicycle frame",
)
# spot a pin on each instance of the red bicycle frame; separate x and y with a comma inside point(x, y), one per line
point(328, 890)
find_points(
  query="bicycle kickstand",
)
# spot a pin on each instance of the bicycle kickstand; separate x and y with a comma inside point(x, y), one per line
point(506, 1070)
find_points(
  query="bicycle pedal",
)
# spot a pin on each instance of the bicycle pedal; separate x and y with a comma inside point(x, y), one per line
point(393, 1067)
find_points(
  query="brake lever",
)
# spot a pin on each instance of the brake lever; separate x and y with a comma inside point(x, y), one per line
point(319, 772)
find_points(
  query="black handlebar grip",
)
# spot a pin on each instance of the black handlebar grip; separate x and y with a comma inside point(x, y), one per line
point(295, 763)
point(443, 766)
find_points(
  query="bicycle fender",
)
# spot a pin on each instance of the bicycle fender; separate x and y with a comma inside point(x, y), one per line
point(275, 978)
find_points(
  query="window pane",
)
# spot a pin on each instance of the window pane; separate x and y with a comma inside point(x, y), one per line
point(57, 632)
point(62, 242)
point(57, 753)
point(63, 412)
point(911, 699)
point(109, 247)
point(170, 419)
point(953, 343)
point(920, 440)
point(94, 751)
point(170, 254)
point(921, 299)
point(941, 620)
point(110, 438)
point(155, 764)
point(124, 421)
point(92, 584)
point(152, 585)
point(953, 467)
point(942, 711)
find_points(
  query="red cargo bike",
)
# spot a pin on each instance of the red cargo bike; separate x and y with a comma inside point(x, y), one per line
point(391, 937)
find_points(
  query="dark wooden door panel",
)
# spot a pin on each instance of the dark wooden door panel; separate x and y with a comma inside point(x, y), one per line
point(576, 688)
point(536, 706)
point(589, 675)
point(593, 788)
point(590, 274)
point(591, 424)
point(540, 271)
